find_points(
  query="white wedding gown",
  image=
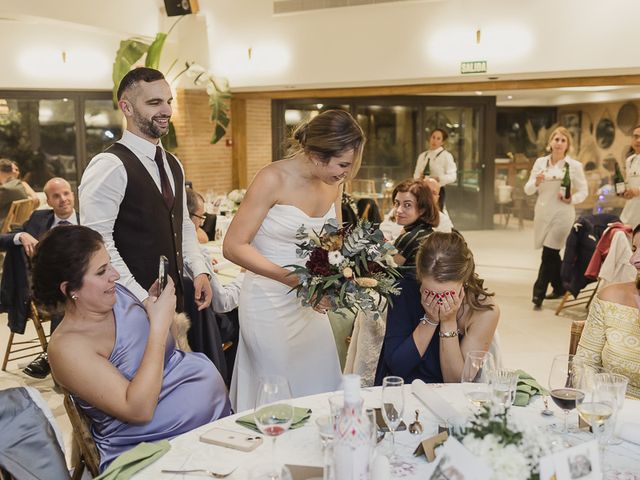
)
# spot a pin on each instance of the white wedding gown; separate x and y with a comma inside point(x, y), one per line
point(277, 334)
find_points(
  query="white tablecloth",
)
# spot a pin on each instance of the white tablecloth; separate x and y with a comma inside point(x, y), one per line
point(302, 446)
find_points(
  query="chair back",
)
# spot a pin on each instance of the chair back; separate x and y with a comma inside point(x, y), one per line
point(19, 212)
point(87, 452)
point(576, 332)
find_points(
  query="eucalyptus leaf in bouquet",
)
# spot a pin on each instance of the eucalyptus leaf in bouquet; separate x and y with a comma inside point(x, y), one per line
point(350, 265)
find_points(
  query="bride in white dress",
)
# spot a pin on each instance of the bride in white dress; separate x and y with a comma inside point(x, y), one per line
point(277, 334)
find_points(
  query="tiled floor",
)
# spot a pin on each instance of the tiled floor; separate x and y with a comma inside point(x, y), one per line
point(506, 260)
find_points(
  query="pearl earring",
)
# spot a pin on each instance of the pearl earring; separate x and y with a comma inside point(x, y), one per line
point(74, 297)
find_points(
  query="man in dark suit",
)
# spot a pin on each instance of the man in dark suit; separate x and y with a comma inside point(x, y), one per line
point(61, 199)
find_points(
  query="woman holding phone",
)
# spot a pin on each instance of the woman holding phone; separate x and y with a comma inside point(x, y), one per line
point(132, 382)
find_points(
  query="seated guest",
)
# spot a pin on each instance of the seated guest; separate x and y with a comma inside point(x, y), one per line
point(440, 317)
point(32, 194)
point(62, 201)
point(131, 381)
point(445, 224)
point(611, 334)
point(11, 188)
point(417, 211)
point(368, 210)
point(195, 206)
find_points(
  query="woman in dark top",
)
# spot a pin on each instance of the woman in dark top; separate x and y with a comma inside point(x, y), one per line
point(438, 317)
point(416, 210)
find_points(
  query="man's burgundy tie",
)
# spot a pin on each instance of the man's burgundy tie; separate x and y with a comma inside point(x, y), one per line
point(167, 193)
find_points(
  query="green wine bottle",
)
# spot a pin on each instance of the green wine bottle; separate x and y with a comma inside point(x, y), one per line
point(565, 185)
point(618, 180)
point(427, 169)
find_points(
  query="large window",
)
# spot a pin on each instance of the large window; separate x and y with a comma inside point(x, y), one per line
point(54, 134)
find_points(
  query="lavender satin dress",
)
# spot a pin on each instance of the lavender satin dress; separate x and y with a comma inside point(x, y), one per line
point(192, 394)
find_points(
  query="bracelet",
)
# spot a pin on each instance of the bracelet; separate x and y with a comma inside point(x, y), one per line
point(425, 320)
point(449, 334)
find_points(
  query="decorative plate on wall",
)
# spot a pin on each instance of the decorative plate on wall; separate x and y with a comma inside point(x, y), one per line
point(627, 117)
point(605, 133)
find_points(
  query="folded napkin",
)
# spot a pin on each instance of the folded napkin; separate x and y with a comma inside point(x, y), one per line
point(527, 388)
point(134, 460)
point(629, 431)
point(433, 401)
point(300, 416)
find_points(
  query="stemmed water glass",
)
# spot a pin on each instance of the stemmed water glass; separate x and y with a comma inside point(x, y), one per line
point(564, 384)
point(273, 414)
point(617, 385)
point(476, 375)
point(392, 408)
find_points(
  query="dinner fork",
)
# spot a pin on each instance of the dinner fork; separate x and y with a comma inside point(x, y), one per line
point(201, 470)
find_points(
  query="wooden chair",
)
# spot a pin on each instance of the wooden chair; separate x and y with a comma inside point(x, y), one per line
point(576, 332)
point(584, 298)
point(19, 212)
point(84, 453)
point(39, 344)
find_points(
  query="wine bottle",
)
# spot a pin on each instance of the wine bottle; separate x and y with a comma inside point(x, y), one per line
point(565, 185)
point(352, 443)
point(618, 180)
point(427, 168)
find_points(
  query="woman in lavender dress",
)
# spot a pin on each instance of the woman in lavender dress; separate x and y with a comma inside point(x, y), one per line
point(115, 355)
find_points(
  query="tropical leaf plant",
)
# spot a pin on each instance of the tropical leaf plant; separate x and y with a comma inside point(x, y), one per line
point(133, 49)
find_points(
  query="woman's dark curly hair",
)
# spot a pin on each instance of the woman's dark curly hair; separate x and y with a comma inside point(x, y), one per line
point(446, 257)
point(62, 255)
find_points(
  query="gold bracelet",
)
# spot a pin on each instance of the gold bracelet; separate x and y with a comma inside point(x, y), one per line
point(449, 334)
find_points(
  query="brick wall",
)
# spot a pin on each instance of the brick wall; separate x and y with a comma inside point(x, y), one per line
point(210, 166)
point(207, 166)
point(258, 135)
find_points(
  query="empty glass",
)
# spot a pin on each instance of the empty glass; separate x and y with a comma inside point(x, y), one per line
point(392, 408)
point(476, 375)
point(326, 429)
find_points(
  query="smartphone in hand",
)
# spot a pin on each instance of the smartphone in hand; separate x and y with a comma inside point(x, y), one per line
point(163, 268)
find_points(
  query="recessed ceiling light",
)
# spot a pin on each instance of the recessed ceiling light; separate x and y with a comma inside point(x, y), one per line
point(509, 97)
point(478, 92)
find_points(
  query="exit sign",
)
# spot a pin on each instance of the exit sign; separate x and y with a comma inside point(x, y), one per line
point(479, 66)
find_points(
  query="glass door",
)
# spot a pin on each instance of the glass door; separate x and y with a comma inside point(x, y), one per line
point(470, 197)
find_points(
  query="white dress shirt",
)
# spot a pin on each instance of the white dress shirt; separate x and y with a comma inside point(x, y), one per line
point(445, 224)
point(73, 220)
point(102, 190)
point(441, 165)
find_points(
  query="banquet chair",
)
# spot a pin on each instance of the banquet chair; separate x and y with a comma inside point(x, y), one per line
point(39, 344)
point(576, 332)
point(84, 453)
point(19, 212)
point(584, 297)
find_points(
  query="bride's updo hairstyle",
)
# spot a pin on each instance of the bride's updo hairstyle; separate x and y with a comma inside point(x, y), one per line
point(62, 255)
point(446, 257)
point(327, 135)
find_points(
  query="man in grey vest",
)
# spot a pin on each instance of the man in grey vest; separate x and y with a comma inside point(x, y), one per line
point(133, 195)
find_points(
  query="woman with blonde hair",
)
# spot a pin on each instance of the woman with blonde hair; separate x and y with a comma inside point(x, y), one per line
point(438, 319)
point(554, 211)
point(277, 334)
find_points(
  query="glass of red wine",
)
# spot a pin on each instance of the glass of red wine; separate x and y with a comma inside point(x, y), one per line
point(564, 384)
point(273, 414)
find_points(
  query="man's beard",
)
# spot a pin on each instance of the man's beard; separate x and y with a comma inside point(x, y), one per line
point(147, 126)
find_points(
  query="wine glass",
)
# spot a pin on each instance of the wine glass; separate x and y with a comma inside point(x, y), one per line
point(273, 413)
point(617, 385)
point(392, 408)
point(476, 374)
point(564, 385)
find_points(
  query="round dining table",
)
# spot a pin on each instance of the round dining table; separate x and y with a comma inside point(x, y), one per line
point(301, 446)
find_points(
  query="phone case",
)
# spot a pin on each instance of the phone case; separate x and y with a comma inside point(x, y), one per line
point(231, 439)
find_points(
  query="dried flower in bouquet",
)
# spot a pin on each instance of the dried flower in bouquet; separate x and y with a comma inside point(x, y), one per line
point(352, 266)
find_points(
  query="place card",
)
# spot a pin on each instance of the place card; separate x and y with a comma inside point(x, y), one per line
point(581, 462)
point(428, 446)
point(455, 461)
point(305, 472)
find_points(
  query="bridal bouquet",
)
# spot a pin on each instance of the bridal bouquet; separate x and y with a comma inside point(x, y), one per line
point(512, 449)
point(352, 266)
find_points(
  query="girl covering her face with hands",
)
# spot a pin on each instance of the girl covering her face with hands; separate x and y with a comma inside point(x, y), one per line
point(431, 326)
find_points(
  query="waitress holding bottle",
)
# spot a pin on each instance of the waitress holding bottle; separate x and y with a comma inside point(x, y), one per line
point(554, 211)
point(437, 163)
point(631, 211)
